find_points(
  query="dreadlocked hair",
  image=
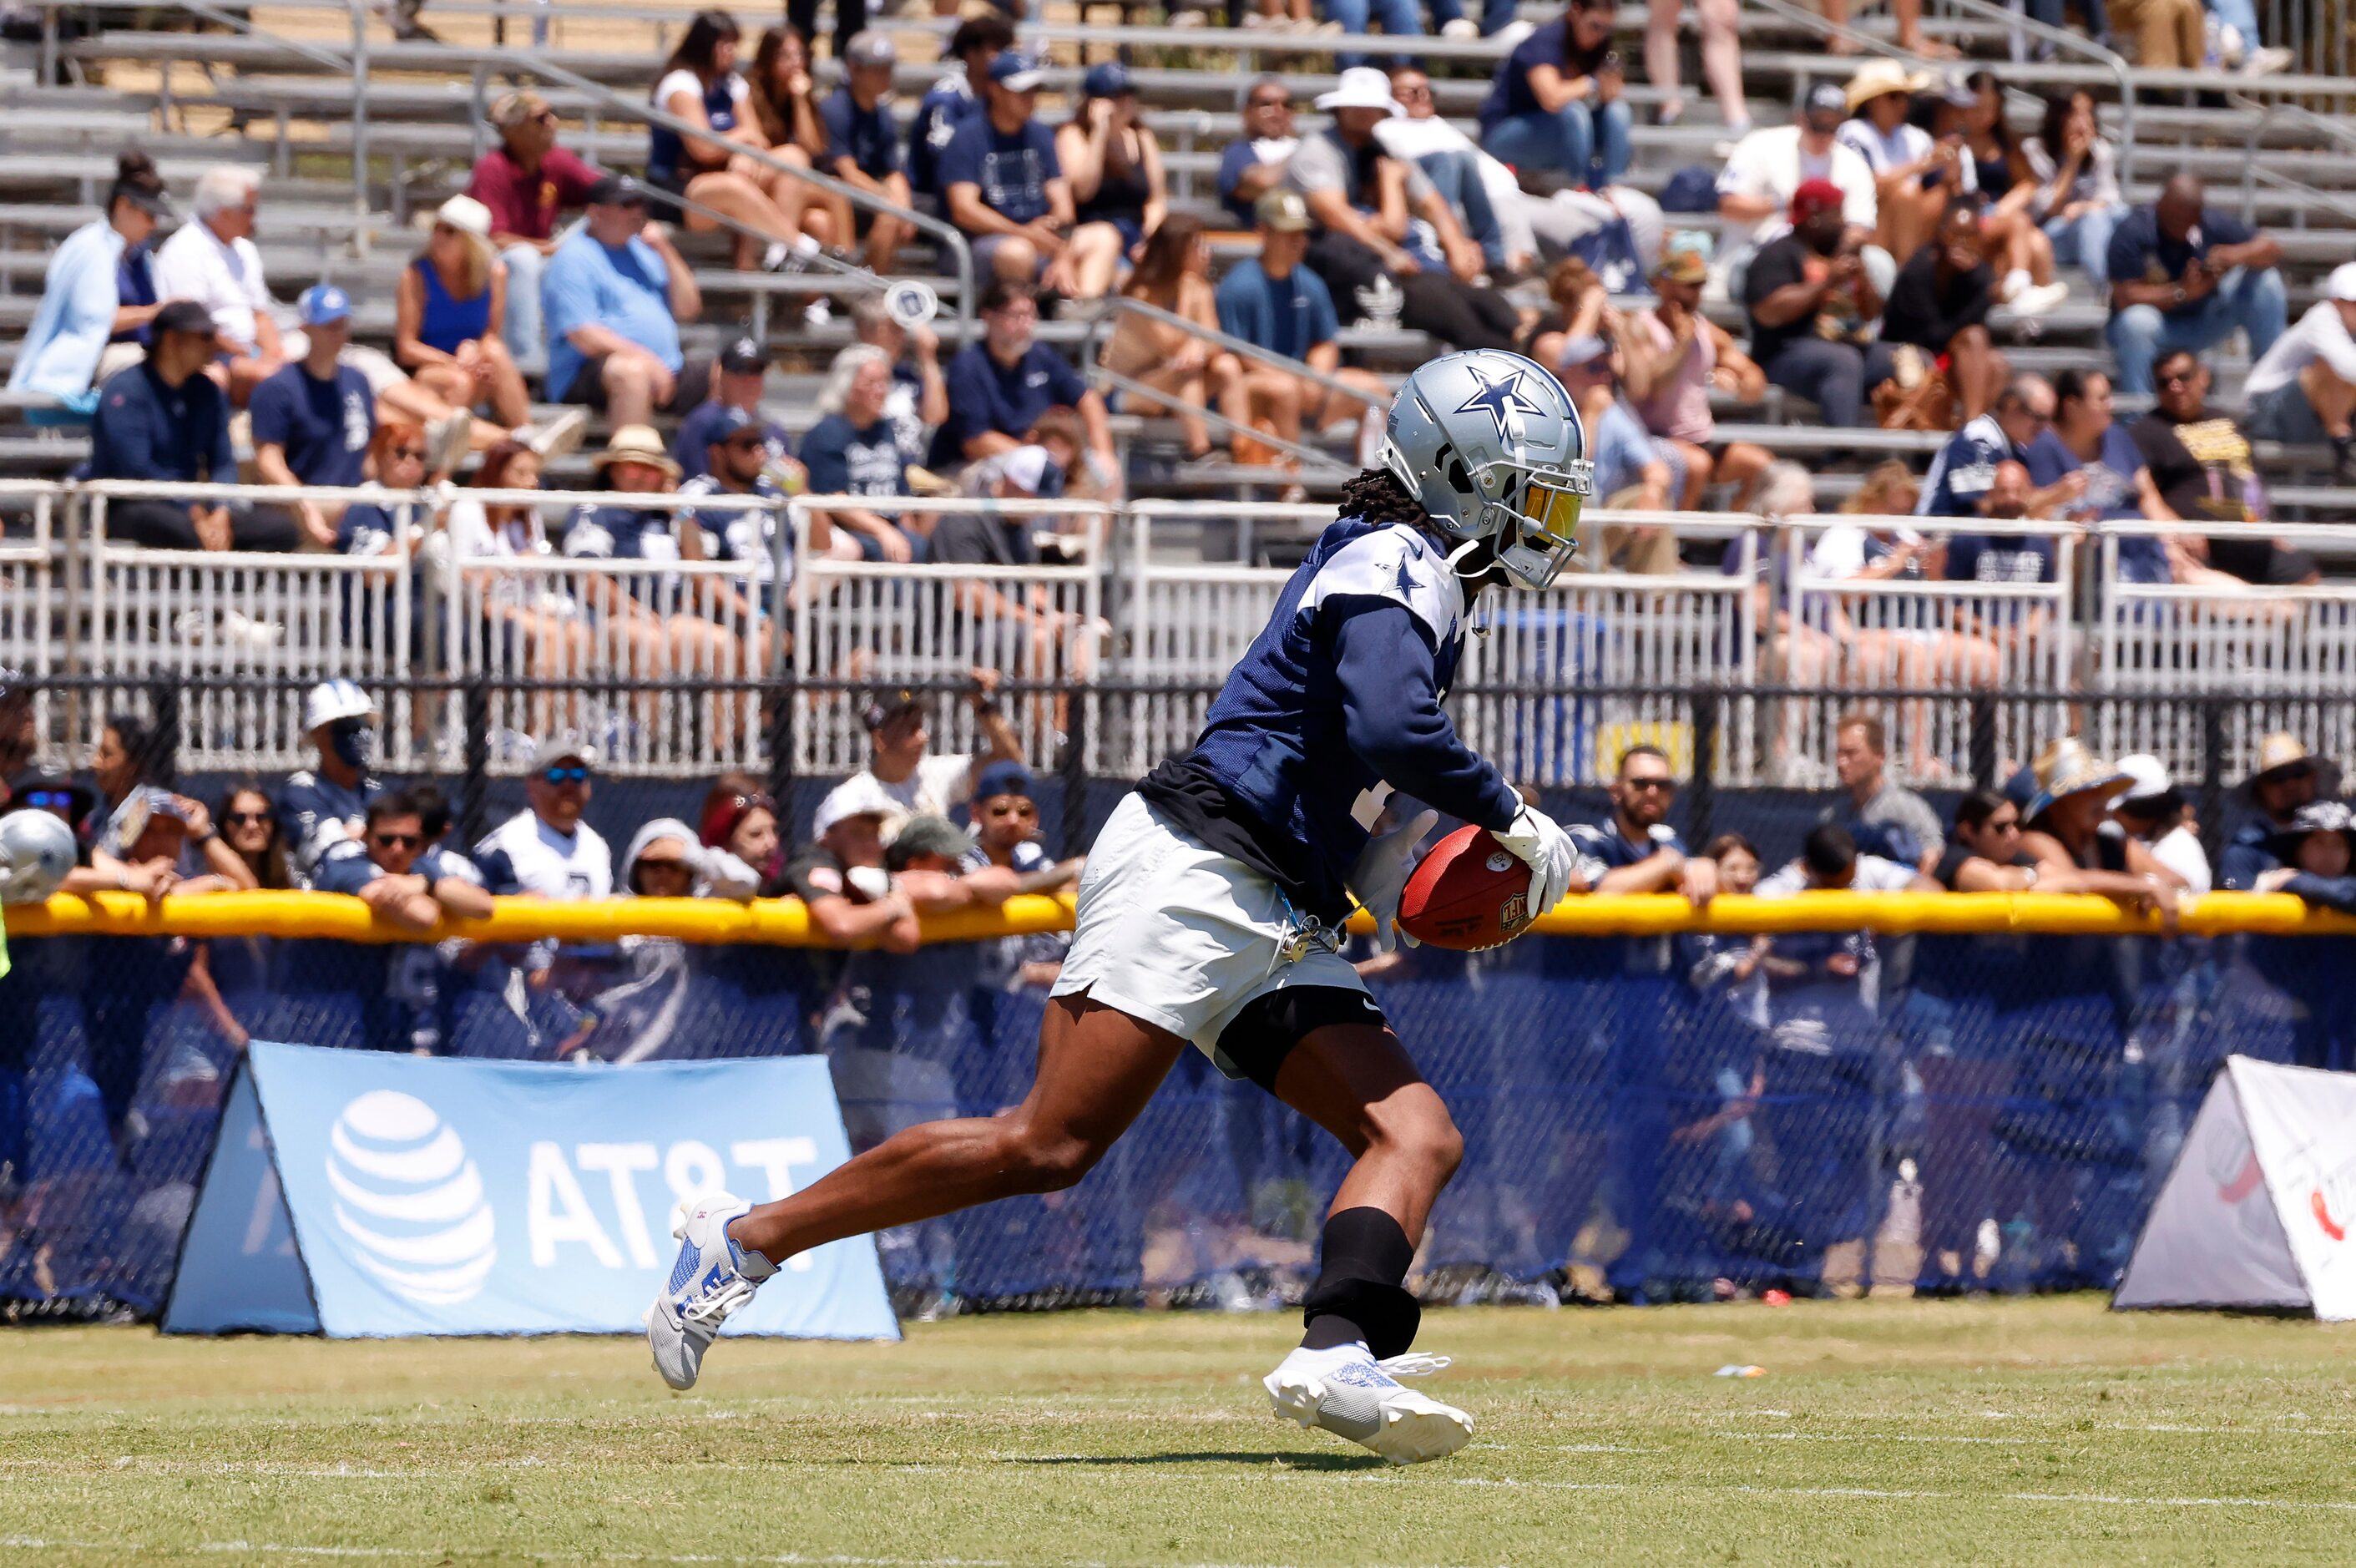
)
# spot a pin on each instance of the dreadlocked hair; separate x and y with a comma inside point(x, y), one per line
point(1376, 495)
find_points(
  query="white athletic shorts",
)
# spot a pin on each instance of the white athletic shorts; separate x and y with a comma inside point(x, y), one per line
point(1183, 937)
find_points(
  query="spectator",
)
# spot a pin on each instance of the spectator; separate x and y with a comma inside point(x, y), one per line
point(919, 403)
point(853, 451)
point(1481, 193)
point(850, 21)
point(999, 387)
point(212, 261)
point(665, 860)
point(2077, 199)
point(959, 96)
point(1003, 187)
point(736, 464)
point(249, 825)
point(2070, 832)
point(1963, 469)
point(744, 368)
point(2287, 777)
point(400, 873)
point(1559, 99)
point(863, 144)
point(1275, 302)
point(1252, 167)
point(2005, 557)
point(1174, 274)
point(1675, 356)
point(546, 850)
point(1631, 474)
point(615, 293)
point(1985, 854)
point(2009, 190)
point(1006, 835)
point(1721, 62)
point(1831, 862)
point(1019, 629)
point(2083, 439)
point(700, 85)
point(646, 610)
point(784, 97)
point(84, 307)
point(449, 315)
point(1939, 306)
point(1581, 301)
point(536, 624)
point(1814, 307)
point(1637, 850)
point(2200, 465)
point(846, 908)
point(165, 419)
point(2184, 276)
point(2170, 35)
point(1768, 167)
point(1113, 166)
point(325, 803)
point(902, 772)
point(2155, 813)
point(2313, 849)
point(2302, 391)
point(527, 182)
point(314, 420)
point(1361, 200)
point(741, 818)
point(158, 841)
point(1879, 814)
point(1916, 180)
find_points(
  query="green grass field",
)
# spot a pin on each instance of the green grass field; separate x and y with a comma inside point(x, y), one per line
point(2036, 1432)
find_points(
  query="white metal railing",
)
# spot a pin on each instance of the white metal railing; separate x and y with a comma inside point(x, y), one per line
point(656, 660)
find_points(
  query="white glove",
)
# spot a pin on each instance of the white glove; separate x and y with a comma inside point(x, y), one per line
point(1380, 875)
point(1539, 842)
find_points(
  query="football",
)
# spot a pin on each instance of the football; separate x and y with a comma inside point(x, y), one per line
point(1468, 894)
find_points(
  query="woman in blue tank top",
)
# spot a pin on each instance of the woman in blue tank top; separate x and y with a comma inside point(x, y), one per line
point(447, 312)
point(699, 85)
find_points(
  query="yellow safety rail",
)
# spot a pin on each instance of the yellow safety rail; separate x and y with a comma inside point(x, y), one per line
point(783, 922)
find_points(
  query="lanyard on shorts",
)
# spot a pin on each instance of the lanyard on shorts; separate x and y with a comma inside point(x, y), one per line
point(1302, 933)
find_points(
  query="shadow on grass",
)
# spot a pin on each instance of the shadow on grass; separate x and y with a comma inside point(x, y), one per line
point(1285, 1461)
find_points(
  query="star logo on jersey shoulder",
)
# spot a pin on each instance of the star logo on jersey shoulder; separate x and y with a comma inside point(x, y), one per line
point(1501, 398)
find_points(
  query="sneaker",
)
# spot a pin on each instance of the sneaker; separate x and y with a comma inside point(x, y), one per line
point(1460, 27)
point(2039, 299)
point(2268, 61)
point(713, 1278)
point(2343, 459)
point(447, 441)
point(1350, 1394)
point(557, 437)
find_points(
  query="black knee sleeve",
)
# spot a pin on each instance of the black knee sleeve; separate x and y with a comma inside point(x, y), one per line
point(1358, 1294)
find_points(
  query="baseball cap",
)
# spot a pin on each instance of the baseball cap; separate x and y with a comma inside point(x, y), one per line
point(1813, 197)
point(1108, 80)
point(563, 745)
point(2147, 777)
point(184, 315)
point(730, 420)
point(518, 107)
point(868, 47)
point(1685, 257)
point(1282, 210)
point(154, 203)
point(618, 190)
point(858, 796)
point(885, 706)
point(323, 303)
point(1016, 72)
point(1025, 467)
point(926, 835)
point(2341, 285)
point(745, 357)
point(1823, 96)
point(1004, 776)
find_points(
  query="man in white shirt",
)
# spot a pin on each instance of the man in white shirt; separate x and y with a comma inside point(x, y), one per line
point(2302, 391)
point(1754, 192)
point(546, 850)
point(899, 764)
point(212, 260)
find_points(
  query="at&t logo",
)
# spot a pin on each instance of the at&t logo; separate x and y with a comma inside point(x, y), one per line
point(410, 1199)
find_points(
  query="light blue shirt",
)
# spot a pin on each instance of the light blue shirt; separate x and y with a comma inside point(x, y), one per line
point(75, 318)
point(626, 290)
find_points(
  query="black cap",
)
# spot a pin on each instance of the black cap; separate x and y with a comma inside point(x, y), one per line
point(184, 315)
point(885, 706)
point(732, 420)
point(618, 190)
point(743, 357)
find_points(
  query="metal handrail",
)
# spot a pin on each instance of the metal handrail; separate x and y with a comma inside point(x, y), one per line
point(530, 62)
point(1118, 304)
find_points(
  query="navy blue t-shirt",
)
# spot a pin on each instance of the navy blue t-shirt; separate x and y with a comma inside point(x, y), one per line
point(1288, 316)
point(1965, 469)
point(1510, 94)
point(145, 430)
point(950, 103)
point(2007, 558)
point(347, 869)
point(1012, 170)
point(691, 447)
point(325, 426)
point(985, 395)
point(2141, 253)
point(625, 534)
point(867, 136)
point(2111, 493)
point(845, 461)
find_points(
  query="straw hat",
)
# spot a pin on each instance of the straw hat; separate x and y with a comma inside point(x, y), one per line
point(636, 444)
point(1876, 77)
point(2282, 752)
point(2067, 767)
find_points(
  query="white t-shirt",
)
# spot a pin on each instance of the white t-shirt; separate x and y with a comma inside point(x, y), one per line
point(687, 81)
point(467, 533)
point(1839, 551)
point(1874, 874)
point(524, 854)
point(225, 279)
point(2179, 849)
point(2319, 334)
point(1770, 163)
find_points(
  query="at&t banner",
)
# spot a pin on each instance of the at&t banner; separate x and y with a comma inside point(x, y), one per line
point(357, 1192)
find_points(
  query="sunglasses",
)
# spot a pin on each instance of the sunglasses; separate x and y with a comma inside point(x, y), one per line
point(752, 804)
point(413, 453)
point(678, 865)
point(2175, 377)
point(1649, 784)
point(397, 841)
point(247, 818)
point(49, 800)
point(574, 775)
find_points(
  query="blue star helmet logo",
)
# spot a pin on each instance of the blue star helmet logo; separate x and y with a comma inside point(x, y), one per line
point(1500, 399)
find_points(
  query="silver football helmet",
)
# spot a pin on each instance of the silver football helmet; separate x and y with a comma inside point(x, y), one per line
point(36, 851)
point(1491, 447)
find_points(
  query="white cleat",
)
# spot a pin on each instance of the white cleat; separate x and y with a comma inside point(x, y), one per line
point(710, 1280)
point(1350, 1394)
